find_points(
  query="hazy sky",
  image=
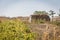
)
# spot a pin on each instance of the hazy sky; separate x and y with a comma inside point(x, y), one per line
point(26, 7)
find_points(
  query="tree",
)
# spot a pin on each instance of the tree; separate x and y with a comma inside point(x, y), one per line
point(40, 12)
point(59, 12)
point(51, 14)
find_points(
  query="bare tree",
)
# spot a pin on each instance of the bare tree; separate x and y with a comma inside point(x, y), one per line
point(51, 14)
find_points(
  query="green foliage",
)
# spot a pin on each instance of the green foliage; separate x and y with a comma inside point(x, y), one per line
point(56, 23)
point(40, 12)
point(15, 30)
point(40, 21)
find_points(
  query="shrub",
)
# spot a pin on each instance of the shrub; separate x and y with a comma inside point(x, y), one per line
point(15, 30)
point(40, 21)
point(56, 23)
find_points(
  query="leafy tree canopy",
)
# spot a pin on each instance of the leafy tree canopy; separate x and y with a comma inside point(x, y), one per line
point(40, 12)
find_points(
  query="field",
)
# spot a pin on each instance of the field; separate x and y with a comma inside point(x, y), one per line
point(19, 30)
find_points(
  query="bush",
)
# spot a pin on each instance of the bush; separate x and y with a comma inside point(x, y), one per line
point(56, 23)
point(40, 21)
point(15, 30)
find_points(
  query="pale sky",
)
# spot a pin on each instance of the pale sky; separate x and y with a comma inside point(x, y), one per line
point(13, 8)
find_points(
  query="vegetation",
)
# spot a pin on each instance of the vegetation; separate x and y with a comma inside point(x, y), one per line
point(56, 23)
point(59, 13)
point(51, 14)
point(40, 21)
point(40, 12)
point(15, 30)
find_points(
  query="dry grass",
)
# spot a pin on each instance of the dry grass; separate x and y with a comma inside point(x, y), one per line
point(46, 31)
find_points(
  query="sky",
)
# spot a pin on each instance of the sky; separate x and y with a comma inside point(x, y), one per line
point(14, 8)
